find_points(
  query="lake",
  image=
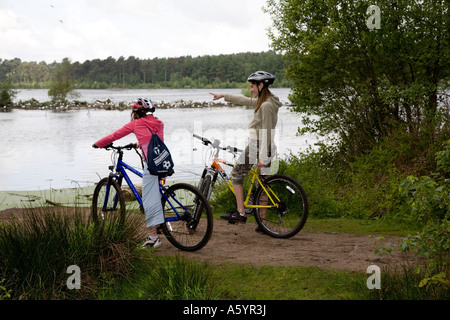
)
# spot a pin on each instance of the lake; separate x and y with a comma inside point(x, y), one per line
point(44, 150)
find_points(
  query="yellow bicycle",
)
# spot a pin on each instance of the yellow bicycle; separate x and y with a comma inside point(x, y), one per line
point(278, 202)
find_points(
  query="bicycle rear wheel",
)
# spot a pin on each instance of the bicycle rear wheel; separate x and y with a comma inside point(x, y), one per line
point(290, 216)
point(188, 216)
point(108, 201)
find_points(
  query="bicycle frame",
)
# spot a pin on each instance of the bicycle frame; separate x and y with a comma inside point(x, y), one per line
point(254, 177)
point(120, 173)
point(216, 169)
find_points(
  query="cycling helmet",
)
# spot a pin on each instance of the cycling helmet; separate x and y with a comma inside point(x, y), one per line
point(262, 76)
point(143, 106)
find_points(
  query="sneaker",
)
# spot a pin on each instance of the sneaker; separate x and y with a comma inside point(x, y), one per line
point(234, 217)
point(149, 243)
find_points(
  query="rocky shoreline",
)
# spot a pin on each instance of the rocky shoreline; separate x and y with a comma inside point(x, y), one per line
point(33, 104)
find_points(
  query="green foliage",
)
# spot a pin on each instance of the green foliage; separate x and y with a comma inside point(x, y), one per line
point(7, 93)
point(62, 83)
point(36, 251)
point(4, 294)
point(359, 84)
point(443, 159)
point(402, 283)
point(429, 202)
point(427, 199)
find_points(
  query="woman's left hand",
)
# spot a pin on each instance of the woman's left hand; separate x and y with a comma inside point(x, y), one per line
point(259, 165)
point(217, 96)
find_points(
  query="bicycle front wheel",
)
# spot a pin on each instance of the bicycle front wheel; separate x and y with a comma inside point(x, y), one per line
point(188, 217)
point(108, 201)
point(288, 216)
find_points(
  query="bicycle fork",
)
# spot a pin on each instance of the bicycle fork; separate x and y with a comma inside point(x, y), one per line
point(211, 173)
point(112, 176)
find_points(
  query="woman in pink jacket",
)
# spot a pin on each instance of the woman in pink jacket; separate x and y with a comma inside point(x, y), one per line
point(142, 120)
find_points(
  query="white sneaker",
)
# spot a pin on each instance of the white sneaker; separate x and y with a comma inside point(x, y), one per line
point(149, 243)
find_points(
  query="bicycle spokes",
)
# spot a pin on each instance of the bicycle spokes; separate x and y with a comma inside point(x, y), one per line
point(283, 206)
point(188, 217)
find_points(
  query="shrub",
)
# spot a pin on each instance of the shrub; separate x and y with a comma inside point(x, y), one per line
point(429, 203)
point(7, 93)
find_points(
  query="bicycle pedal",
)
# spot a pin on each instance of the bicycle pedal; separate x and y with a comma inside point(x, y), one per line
point(233, 222)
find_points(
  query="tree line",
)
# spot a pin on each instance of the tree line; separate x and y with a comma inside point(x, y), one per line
point(132, 72)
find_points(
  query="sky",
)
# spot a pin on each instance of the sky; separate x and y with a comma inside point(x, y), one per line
point(50, 30)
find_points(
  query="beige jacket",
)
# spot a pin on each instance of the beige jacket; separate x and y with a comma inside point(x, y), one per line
point(262, 127)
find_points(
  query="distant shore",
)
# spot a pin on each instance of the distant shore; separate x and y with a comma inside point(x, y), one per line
point(34, 104)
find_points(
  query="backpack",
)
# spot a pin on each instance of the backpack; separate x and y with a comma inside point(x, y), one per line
point(159, 159)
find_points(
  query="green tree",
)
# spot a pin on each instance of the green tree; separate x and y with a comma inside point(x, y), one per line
point(63, 83)
point(358, 83)
point(7, 93)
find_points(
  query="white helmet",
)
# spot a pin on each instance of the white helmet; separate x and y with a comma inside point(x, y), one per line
point(142, 106)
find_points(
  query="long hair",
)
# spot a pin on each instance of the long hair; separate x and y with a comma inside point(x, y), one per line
point(137, 114)
point(264, 95)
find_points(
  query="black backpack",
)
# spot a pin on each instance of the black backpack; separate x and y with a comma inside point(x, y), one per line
point(159, 159)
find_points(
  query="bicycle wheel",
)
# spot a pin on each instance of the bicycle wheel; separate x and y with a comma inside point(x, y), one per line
point(290, 216)
point(108, 201)
point(188, 216)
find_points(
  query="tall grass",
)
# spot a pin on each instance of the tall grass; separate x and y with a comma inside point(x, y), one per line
point(37, 248)
point(165, 278)
point(180, 279)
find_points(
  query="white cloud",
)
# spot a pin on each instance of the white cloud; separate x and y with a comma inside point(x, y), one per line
point(16, 33)
point(36, 30)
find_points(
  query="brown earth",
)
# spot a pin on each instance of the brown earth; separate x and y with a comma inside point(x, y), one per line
point(240, 244)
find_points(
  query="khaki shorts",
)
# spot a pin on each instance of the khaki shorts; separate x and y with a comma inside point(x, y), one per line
point(245, 162)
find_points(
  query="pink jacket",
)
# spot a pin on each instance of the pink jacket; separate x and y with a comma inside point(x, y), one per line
point(140, 128)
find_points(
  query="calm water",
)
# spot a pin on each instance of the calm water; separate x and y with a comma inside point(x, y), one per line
point(44, 149)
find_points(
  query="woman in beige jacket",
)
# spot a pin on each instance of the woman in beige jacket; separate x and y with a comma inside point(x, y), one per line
point(260, 149)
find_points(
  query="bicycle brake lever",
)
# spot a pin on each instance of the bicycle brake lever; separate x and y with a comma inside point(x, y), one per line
point(108, 146)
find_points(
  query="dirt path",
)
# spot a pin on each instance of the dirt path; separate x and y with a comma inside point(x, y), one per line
point(241, 244)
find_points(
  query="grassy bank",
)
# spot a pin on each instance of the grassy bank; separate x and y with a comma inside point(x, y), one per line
point(35, 252)
point(193, 280)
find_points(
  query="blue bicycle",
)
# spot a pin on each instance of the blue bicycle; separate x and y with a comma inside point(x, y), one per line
point(187, 214)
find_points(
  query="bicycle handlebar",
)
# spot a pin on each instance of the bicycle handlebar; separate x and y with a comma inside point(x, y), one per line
point(128, 146)
point(206, 142)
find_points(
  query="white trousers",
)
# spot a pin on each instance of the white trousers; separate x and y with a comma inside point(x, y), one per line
point(151, 198)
